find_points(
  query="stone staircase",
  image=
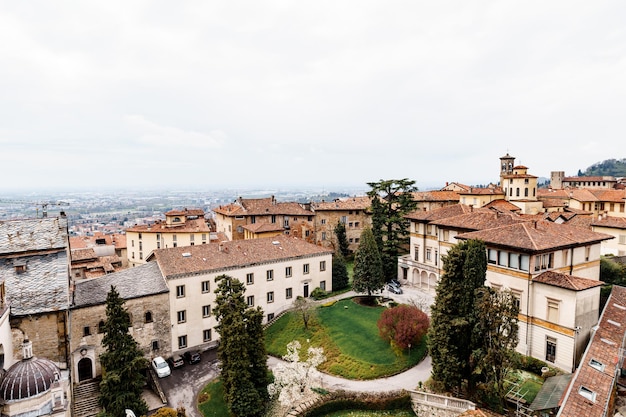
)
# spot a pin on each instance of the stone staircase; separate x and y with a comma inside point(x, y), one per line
point(86, 399)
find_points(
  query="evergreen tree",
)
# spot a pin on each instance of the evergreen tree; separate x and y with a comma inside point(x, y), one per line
point(453, 316)
point(240, 370)
point(257, 352)
point(368, 268)
point(494, 339)
point(123, 363)
point(340, 272)
point(342, 240)
point(391, 200)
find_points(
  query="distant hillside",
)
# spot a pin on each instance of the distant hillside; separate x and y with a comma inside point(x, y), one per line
point(613, 167)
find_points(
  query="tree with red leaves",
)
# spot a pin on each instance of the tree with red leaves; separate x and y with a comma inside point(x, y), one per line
point(403, 325)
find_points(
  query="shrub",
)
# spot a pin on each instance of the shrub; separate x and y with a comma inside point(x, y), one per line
point(318, 294)
point(529, 364)
point(365, 401)
point(403, 325)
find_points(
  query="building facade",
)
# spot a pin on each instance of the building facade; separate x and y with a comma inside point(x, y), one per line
point(353, 212)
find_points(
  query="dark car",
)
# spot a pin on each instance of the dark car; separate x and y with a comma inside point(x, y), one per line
point(395, 282)
point(192, 357)
point(392, 288)
point(176, 361)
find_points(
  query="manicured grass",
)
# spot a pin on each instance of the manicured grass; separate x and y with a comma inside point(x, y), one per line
point(211, 400)
point(348, 333)
point(530, 384)
point(370, 413)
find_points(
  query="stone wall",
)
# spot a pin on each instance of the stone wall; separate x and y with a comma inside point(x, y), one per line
point(47, 333)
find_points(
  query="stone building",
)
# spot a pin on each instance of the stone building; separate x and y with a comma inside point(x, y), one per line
point(34, 266)
point(245, 216)
point(353, 212)
point(146, 299)
point(97, 255)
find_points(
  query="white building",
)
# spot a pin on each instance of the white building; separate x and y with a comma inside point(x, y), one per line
point(275, 271)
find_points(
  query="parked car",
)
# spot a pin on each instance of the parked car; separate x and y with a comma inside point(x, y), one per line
point(176, 361)
point(192, 357)
point(394, 289)
point(161, 367)
point(395, 282)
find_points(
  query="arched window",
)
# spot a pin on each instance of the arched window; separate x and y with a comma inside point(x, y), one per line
point(148, 317)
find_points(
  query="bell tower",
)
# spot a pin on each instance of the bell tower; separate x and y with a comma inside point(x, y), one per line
point(507, 162)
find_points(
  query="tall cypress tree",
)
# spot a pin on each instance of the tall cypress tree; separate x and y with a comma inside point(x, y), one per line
point(340, 272)
point(453, 315)
point(240, 369)
point(368, 267)
point(122, 363)
point(257, 351)
point(342, 240)
point(391, 200)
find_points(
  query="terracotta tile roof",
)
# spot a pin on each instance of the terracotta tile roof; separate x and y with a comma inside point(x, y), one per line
point(569, 282)
point(483, 191)
point(264, 227)
point(456, 184)
point(537, 236)
point(604, 348)
point(611, 196)
point(479, 220)
point(351, 203)
point(587, 179)
point(436, 195)
point(440, 213)
point(610, 221)
point(78, 255)
point(186, 212)
point(140, 281)
point(262, 206)
point(502, 205)
point(234, 254)
point(189, 226)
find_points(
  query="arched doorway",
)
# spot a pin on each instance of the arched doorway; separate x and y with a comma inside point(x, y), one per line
point(85, 369)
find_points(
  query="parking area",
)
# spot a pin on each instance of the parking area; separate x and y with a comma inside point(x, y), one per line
point(184, 384)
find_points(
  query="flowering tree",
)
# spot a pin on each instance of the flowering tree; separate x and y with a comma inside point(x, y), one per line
point(293, 377)
point(403, 325)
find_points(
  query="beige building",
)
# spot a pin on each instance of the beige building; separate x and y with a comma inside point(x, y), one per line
point(180, 228)
point(275, 271)
point(613, 226)
point(431, 200)
point(353, 212)
point(245, 216)
point(146, 299)
point(551, 268)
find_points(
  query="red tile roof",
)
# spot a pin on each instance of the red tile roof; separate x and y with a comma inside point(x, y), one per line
point(186, 212)
point(502, 205)
point(537, 236)
point(610, 221)
point(605, 348)
point(479, 220)
point(352, 203)
point(436, 195)
point(233, 254)
point(262, 206)
point(569, 282)
point(440, 213)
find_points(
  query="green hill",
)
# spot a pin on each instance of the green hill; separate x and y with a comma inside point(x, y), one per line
point(613, 167)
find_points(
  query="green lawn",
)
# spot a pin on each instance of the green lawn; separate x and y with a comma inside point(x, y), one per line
point(529, 384)
point(348, 333)
point(211, 400)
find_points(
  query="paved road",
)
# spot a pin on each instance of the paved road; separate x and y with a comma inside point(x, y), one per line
point(183, 386)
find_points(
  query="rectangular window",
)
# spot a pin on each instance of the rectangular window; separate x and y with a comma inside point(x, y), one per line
point(550, 349)
point(140, 255)
point(140, 245)
point(182, 342)
point(524, 262)
point(206, 335)
point(250, 278)
point(191, 237)
point(322, 265)
point(182, 316)
point(357, 224)
point(206, 311)
point(446, 235)
point(323, 221)
point(323, 235)
point(139, 235)
point(622, 239)
point(270, 297)
point(252, 219)
point(158, 245)
point(270, 274)
point(553, 311)
point(155, 345)
point(305, 269)
point(514, 260)
point(180, 291)
point(323, 285)
point(173, 238)
point(206, 286)
point(270, 317)
point(287, 271)
point(273, 218)
point(250, 301)
point(587, 252)
point(86, 331)
point(288, 293)
point(417, 253)
point(428, 254)
point(343, 219)
point(502, 258)
point(350, 224)
point(158, 236)
point(307, 233)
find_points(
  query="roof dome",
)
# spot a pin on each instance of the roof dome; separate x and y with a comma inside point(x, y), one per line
point(29, 377)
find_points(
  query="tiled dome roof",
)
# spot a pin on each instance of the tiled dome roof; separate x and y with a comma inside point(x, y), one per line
point(29, 377)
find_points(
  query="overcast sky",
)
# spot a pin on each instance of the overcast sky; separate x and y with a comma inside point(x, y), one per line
point(208, 94)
